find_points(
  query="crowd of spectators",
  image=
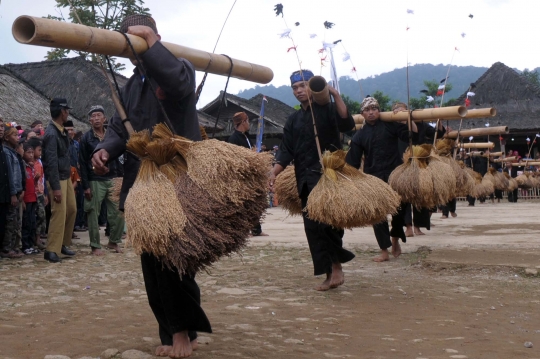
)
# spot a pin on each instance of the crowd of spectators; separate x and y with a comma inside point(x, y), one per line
point(48, 190)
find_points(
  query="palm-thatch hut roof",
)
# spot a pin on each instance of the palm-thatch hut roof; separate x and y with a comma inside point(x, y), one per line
point(516, 99)
point(80, 81)
point(275, 114)
point(20, 103)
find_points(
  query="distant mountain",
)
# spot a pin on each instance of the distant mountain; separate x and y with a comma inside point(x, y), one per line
point(393, 83)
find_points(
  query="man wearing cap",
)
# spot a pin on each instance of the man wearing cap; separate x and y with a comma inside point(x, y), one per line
point(98, 188)
point(57, 168)
point(378, 143)
point(37, 127)
point(299, 144)
point(240, 138)
point(174, 299)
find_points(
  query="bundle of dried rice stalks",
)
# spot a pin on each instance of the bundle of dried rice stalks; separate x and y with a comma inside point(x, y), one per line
point(152, 212)
point(499, 180)
point(467, 187)
point(345, 197)
point(444, 149)
point(413, 181)
point(535, 180)
point(116, 189)
point(524, 181)
point(512, 183)
point(286, 190)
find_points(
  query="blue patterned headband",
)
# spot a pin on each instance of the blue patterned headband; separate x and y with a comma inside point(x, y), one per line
point(297, 76)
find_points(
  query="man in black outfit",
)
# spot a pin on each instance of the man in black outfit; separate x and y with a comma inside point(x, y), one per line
point(298, 144)
point(175, 299)
point(240, 138)
point(378, 142)
point(5, 197)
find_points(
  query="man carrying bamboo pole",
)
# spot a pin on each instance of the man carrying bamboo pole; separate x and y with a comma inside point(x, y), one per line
point(378, 143)
point(174, 299)
point(300, 144)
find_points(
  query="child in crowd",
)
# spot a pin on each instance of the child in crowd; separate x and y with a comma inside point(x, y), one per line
point(12, 235)
point(30, 202)
point(42, 200)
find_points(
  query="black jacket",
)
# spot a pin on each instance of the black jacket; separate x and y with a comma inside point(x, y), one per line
point(5, 196)
point(240, 139)
point(299, 144)
point(426, 134)
point(88, 144)
point(378, 143)
point(174, 81)
point(55, 156)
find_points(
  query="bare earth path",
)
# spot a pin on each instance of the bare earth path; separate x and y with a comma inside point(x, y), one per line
point(468, 298)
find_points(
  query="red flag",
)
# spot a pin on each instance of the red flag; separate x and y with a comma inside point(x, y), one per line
point(467, 102)
point(291, 48)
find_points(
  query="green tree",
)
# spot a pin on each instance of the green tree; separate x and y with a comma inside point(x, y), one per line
point(532, 76)
point(103, 14)
point(383, 100)
point(352, 106)
point(431, 90)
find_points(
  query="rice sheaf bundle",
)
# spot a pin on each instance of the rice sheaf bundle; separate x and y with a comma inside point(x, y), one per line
point(469, 183)
point(344, 197)
point(499, 180)
point(413, 181)
point(524, 181)
point(116, 189)
point(444, 149)
point(286, 190)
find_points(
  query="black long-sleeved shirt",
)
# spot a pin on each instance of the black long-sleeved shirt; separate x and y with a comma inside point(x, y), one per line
point(299, 144)
point(240, 139)
point(174, 82)
point(379, 143)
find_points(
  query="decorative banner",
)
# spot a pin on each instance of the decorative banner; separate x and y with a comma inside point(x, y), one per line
point(278, 9)
point(429, 99)
point(312, 36)
point(285, 34)
point(260, 128)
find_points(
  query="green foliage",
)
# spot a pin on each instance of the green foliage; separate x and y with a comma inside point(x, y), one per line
point(352, 106)
point(103, 14)
point(532, 76)
point(384, 100)
point(296, 107)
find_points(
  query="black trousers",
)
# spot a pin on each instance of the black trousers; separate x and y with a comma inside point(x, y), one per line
point(471, 200)
point(450, 207)
point(257, 229)
point(325, 242)
point(29, 225)
point(383, 233)
point(80, 220)
point(418, 217)
point(498, 194)
point(174, 299)
point(513, 196)
point(4, 208)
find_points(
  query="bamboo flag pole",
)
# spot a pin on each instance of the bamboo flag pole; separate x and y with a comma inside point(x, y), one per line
point(31, 30)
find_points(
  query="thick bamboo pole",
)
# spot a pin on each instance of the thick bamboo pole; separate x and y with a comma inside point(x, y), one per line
point(495, 154)
point(476, 145)
point(319, 90)
point(51, 33)
point(358, 127)
point(506, 159)
point(521, 164)
point(475, 153)
point(486, 131)
point(427, 114)
point(479, 113)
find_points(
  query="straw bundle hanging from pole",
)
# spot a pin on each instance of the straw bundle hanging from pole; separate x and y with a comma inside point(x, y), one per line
point(444, 149)
point(413, 181)
point(524, 181)
point(287, 192)
point(512, 184)
point(499, 180)
point(345, 197)
point(469, 183)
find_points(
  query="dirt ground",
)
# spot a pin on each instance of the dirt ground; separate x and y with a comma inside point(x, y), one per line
point(466, 296)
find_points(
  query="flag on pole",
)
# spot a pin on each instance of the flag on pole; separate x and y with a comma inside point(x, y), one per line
point(440, 89)
point(260, 128)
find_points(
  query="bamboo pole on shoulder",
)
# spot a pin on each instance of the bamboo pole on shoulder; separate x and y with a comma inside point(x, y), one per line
point(486, 145)
point(427, 114)
point(479, 132)
point(38, 31)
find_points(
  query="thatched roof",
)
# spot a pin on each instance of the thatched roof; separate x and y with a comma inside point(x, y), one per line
point(516, 99)
point(22, 104)
point(275, 114)
point(81, 82)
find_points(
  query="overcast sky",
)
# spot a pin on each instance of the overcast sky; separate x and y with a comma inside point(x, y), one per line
point(373, 33)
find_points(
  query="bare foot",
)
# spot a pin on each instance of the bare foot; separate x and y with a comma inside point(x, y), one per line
point(396, 248)
point(97, 252)
point(181, 345)
point(383, 257)
point(115, 247)
point(194, 344)
point(163, 351)
point(337, 278)
point(409, 231)
point(324, 286)
point(444, 217)
point(454, 214)
point(418, 232)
